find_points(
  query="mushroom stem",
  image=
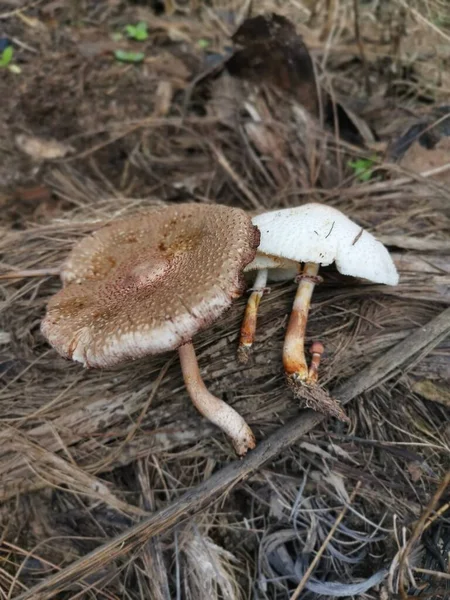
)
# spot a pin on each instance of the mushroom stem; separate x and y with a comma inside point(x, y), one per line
point(294, 359)
point(317, 350)
point(214, 409)
point(248, 327)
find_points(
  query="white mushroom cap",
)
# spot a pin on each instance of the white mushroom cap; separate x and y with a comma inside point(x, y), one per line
point(321, 234)
point(147, 284)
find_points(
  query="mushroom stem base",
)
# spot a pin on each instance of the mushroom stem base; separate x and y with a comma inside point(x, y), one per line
point(215, 410)
point(317, 398)
point(294, 359)
point(248, 327)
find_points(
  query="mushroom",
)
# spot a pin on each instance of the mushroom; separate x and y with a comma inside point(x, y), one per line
point(313, 234)
point(146, 285)
point(269, 268)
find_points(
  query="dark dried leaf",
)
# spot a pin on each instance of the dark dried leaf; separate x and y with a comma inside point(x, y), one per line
point(426, 133)
point(273, 53)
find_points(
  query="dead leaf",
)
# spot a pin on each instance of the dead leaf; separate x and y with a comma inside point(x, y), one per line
point(273, 52)
point(163, 98)
point(276, 507)
point(415, 470)
point(166, 65)
point(265, 140)
point(42, 149)
point(425, 145)
point(91, 49)
point(419, 159)
point(433, 392)
point(5, 338)
point(270, 52)
point(354, 125)
point(33, 194)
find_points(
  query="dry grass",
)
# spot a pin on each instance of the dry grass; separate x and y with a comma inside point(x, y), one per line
point(87, 454)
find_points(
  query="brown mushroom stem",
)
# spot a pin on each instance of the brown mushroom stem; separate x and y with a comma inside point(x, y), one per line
point(316, 350)
point(214, 409)
point(248, 327)
point(294, 359)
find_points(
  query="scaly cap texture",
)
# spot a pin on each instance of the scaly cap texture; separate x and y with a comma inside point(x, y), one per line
point(147, 284)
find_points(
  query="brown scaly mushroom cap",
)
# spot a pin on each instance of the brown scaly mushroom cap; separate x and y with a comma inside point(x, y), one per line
point(147, 284)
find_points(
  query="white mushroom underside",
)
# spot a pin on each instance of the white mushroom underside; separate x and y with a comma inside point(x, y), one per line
point(278, 269)
point(283, 273)
point(321, 234)
point(265, 261)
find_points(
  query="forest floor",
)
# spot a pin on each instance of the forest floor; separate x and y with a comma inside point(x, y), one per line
point(111, 484)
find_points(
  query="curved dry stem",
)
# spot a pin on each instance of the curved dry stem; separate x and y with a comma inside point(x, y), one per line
point(215, 410)
point(248, 327)
point(294, 359)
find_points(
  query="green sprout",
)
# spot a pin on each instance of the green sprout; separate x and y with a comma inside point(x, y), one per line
point(137, 32)
point(6, 60)
point(6, 56)
point(363, 168)
point(203, 44)
point(129, 57)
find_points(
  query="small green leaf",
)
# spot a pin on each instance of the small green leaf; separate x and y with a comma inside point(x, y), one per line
point(130, 30)
point(131, 57)
point(362, 168)
point(142, 26)
point(137, 32)
point(116, 37)
point(203, 44)
point(140, 36)
point(6, 56)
